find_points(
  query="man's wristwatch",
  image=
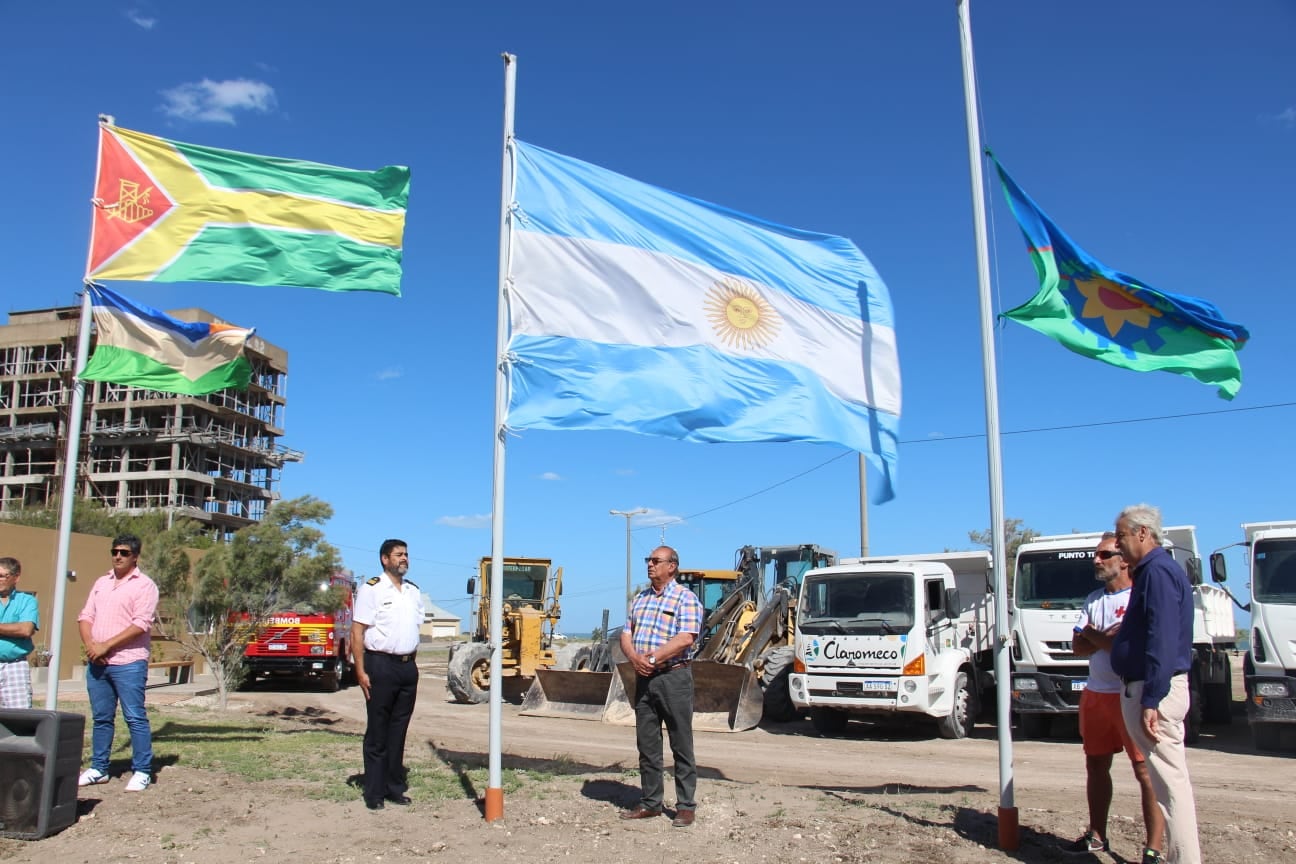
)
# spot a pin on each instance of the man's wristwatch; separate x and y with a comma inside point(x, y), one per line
point(652, 659)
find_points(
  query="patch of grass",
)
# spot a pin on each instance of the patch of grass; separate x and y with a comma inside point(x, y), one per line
point(318, 763)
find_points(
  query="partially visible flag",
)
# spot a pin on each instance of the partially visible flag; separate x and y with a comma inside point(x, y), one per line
point(142, 347)
point(637, 309)
point(1110, 316)
point(172, 212)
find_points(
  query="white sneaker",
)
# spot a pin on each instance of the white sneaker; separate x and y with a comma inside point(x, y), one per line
point(92, 777)
point(139, 781)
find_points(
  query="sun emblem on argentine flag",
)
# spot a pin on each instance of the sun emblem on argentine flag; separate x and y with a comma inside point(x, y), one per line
point(740, 316)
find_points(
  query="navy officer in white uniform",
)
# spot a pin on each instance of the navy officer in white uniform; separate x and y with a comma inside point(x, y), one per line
point(384, 645)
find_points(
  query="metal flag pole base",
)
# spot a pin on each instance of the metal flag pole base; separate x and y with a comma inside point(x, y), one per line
point(495, 804)
point(1009, 833)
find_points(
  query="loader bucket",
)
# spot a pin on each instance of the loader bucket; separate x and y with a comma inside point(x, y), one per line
point(726, 697)
point(564, 693)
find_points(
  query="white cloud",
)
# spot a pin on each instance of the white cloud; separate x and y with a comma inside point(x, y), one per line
point(389, 373)
point(1286, 117)
point(481, 520)
point(551, 475)
point(141, 19)
point(208, 101)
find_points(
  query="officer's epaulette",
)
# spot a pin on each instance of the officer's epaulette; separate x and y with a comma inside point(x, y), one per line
point(411, 584)
point(373, 581)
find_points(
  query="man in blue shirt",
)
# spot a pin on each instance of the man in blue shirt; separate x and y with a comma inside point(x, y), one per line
point(1152, 653)
point(18, 621)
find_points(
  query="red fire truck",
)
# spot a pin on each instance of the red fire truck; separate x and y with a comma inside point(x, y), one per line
point(306, 641)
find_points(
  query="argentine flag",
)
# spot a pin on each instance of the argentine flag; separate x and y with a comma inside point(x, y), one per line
point(633, 308)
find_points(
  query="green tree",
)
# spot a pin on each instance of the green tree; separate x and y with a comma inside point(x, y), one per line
point(212, 609)
point(1015, 534)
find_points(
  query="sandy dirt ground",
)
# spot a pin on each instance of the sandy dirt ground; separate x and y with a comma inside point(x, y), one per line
point(776, 793)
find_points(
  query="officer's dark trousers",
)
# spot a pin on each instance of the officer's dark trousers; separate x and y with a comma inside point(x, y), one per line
point(393, 684)
point(666, 697)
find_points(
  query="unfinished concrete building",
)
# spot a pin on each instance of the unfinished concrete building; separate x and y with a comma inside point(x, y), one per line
point(216, 459)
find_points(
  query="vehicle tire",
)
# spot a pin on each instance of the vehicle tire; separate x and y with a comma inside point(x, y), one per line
point(468, 675)
point(1219, 699)
point(331, 682)
point(777, 665)
point(1193, 722)
point(247, 679)
point(1033, 726)
point(828, 721)
point(582, 660)
point(959, 722)
point(1265, 736)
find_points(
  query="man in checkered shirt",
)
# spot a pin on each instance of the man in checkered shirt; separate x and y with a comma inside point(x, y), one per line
point(665, 620)
point(18, 621)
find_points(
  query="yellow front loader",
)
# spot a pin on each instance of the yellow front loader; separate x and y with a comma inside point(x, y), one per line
point(743, 657)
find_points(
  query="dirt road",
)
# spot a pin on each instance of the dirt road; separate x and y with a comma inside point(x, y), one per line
point(777, 793)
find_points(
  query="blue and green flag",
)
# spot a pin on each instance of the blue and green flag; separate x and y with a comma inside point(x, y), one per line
point(1111, 316)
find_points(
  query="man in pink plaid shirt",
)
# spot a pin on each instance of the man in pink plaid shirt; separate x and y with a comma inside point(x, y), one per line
point(115, 626)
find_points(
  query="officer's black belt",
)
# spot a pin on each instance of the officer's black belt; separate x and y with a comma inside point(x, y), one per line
point(399, 658)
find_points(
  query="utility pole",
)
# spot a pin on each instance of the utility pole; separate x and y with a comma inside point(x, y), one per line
point(628, 514)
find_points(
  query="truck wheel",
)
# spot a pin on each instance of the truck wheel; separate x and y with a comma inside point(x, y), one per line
point(1033, 726)
point(246, 679)
point(582, 659)
point(777, 666)
point(828, 721)
point(1265, 736)
point(958, 723)
point(1219, 703)
point(331, 682)
point(468, 676)
point(1193, 722)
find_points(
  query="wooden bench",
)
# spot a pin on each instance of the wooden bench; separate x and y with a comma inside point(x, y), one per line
point(178, 671)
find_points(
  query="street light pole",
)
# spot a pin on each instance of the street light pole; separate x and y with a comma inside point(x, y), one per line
point(628, 514)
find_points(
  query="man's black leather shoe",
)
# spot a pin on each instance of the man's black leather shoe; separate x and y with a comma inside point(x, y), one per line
point(400, 799)
point(373, 803)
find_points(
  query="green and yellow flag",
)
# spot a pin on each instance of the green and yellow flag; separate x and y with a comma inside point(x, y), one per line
point(172, 212)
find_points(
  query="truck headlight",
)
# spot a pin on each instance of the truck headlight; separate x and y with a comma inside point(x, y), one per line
point(910, 685)
point(1025, 684)
point(1271, 688)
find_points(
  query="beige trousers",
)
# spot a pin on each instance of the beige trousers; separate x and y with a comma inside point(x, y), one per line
point(1168, 765)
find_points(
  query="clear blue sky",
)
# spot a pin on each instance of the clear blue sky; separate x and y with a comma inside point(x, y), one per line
point(1160, 135)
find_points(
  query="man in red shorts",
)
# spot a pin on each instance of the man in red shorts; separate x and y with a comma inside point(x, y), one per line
point(1101, 725)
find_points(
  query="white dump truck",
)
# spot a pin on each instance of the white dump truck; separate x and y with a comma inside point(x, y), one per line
point(1270, 663)
point(894, 636)
point(1053, 576)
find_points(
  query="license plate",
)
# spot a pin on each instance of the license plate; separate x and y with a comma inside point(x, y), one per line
point(277, 646)
point(880, 686)
point(1078, 685)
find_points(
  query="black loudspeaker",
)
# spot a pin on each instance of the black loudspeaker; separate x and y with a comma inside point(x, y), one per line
point(40, 757)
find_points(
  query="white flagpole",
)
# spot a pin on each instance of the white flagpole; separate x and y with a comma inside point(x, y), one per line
point(65, 503)
point(1009, 833)
point(494, 804)
point(863, 484)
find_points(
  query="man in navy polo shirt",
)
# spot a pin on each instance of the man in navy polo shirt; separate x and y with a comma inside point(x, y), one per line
point(1152, 653)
